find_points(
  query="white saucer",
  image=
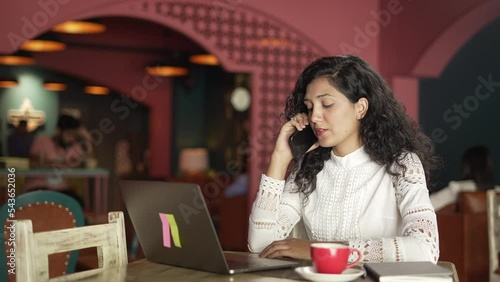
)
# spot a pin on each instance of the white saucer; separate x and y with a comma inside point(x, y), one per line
point(349, 274)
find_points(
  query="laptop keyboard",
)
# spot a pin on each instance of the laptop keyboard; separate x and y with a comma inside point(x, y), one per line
point(238, 261)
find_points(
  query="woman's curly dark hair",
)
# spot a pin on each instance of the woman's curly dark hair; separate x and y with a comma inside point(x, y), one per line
point(386, 131)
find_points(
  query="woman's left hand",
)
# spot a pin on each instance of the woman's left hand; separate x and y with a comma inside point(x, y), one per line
point(293, 248)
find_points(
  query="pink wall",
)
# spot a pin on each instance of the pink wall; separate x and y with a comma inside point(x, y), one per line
point(412, 48)
point(411, 33)
point(395, 46)
point(329, 23)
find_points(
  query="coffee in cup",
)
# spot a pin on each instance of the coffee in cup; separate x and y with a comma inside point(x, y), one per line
point(332, 258)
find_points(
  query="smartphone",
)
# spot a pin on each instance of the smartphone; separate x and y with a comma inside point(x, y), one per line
point(301, 141)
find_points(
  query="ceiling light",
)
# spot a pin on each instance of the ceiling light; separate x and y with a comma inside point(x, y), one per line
point(8, 83)
point(17, 59)
point(54, 86)
point(204, 59)
point(80, 27)
point(174, 65)
point(45, 43)
point(96, 90)
point(164, 70)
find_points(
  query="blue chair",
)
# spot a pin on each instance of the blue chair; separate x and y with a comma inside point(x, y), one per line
point(48, 210)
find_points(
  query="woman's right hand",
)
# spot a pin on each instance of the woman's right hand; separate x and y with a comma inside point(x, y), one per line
point(282, 154)
point(282, 147)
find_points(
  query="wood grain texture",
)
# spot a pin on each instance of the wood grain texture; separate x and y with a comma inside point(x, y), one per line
point(24, 245)
point(493, 203)
point(33, 249)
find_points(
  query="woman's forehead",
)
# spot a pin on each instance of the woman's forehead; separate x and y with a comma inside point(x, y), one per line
point(321, 88)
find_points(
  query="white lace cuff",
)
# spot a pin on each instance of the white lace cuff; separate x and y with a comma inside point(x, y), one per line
point(272, 185)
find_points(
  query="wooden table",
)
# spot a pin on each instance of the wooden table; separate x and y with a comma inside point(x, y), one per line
point(146, 271)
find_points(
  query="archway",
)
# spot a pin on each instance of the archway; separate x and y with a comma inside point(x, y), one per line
point(243, 39)
point(444, 48)
point(438, 55)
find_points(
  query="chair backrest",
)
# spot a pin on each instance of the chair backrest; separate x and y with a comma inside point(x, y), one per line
point(33, 248)
point(48, 210)
point(494, 232)
point(472, 202)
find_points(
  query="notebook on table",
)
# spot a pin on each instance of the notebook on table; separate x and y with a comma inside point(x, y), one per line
point(174, 227)
point(408, 271)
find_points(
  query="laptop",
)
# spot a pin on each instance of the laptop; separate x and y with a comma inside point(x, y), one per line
point(175, 228)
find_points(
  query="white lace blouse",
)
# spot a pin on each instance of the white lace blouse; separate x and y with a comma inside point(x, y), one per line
point(356, 201)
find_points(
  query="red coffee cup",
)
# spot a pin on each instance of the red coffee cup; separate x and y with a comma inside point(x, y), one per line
point(332, 258)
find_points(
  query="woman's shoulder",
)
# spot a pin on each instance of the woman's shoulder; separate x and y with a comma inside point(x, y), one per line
point(407, 163)
point(409, 158)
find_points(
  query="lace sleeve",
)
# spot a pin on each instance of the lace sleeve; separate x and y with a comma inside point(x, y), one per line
point(418, 239)
point(275, 212)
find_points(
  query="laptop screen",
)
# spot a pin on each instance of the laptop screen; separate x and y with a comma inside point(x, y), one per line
point(173, 224)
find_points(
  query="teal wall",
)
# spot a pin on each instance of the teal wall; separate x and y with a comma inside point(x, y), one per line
point(219, 134)
point(30, 86)
point(455, 114)
point(199, 114)
point(189, 108)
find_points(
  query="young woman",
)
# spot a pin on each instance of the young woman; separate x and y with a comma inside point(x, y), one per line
point(363, 183)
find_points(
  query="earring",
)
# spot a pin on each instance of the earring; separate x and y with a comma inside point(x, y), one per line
point(359, 117)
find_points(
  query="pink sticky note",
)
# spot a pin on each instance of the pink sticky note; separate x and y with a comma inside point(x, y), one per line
point(166, 230)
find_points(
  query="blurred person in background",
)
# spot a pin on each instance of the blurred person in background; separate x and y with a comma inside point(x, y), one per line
point(64, 150)
point(476, 174)
point(19, 141)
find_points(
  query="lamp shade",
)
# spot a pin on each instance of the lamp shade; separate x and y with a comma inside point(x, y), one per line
point(193, 160)
point(204, 59)
point(48, 42)
point(80, 27)
point(54, 86)
point(96, 90)
point(173, 65)
point(8, 83)
point(166, 70)
point(17, 59)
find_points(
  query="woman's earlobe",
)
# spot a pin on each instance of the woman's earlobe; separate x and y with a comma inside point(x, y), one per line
point(362, 107)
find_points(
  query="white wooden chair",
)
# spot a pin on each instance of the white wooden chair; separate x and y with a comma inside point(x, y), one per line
point(32, 249)
point(48, 210)
point(493, 197)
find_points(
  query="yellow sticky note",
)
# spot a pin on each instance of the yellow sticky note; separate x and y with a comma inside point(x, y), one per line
point(174, 230)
